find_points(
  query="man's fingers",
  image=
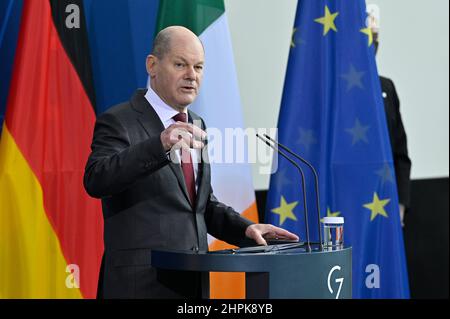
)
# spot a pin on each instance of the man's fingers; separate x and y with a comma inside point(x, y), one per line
point(183, 132)
point(196, 132)
point(178, 136)
point(197, 144)
point(273, 232)
point(282, 233)
point(260, 232)
point(187, 140)
point(259, 239)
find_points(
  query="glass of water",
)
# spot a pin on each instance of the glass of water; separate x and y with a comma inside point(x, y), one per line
point(333, 233)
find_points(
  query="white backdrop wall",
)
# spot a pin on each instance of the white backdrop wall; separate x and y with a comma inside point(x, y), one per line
point(413, 52)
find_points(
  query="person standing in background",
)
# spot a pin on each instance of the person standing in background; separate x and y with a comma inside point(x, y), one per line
point(397, 134)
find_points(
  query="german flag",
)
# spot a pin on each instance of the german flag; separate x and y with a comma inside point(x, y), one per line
point(50, 229)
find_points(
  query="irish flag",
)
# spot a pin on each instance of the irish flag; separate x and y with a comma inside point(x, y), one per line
point(50, 229)
point(219, 105)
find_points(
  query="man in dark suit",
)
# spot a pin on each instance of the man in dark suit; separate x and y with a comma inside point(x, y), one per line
point(397, 134)
point(153, 200)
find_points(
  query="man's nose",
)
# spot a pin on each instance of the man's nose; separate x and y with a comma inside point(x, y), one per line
point(190, 73)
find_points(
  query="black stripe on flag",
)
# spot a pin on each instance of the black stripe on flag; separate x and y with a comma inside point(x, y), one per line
point(73, 36)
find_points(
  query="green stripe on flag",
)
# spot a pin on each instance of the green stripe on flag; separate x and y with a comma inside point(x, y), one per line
point(195, 15)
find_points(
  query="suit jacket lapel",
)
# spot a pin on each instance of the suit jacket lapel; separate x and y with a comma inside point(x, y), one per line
point(176, 169)
point(202, 168)
point(201, 184)
point(153, 126)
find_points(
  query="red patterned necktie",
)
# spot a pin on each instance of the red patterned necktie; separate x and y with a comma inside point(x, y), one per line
point(186, 164)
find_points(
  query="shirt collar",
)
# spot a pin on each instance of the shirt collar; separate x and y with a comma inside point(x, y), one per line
point(164, 111)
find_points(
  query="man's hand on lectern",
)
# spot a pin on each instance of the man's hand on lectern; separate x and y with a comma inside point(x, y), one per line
point(260, 232)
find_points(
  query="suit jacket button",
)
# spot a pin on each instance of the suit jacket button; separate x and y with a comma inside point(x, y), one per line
point(195, 248)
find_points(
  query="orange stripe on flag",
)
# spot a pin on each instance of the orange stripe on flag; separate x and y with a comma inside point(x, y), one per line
point(230, 285)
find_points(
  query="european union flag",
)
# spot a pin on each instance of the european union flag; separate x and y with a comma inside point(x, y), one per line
point(332, 113)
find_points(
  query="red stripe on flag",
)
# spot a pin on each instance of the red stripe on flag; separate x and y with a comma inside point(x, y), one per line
point(51, 119)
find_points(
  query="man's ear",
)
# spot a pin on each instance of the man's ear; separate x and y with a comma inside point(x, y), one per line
point(151, 65)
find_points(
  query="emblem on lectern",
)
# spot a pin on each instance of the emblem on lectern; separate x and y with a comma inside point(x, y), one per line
point(339, 281)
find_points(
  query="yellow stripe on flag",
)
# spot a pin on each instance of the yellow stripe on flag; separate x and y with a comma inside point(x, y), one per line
point(230, 285)
point(31, 261)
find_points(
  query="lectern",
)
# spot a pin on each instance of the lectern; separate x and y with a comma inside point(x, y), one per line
point(275, 271)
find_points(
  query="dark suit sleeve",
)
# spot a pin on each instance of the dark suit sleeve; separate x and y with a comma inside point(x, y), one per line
point(402, 161)
point(224, 222)
point(114, 164)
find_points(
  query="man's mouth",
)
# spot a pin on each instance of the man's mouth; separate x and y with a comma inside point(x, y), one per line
point(188, 88)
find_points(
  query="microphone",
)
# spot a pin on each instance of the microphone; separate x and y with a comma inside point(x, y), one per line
point(316, 181)
point(303, 186)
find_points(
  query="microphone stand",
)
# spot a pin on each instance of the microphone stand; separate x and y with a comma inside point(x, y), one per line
point(303, 186)
point(316, 180)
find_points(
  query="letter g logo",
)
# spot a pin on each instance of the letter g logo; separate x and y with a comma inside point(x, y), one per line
point(338, 280)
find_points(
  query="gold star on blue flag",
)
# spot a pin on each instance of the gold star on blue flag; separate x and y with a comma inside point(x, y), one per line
point(328, 21)
point(368, 32)
point(285, 210)
point(377, 206)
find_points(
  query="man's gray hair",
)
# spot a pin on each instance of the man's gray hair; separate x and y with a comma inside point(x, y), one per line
point(161, 44)
point(163, 41)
